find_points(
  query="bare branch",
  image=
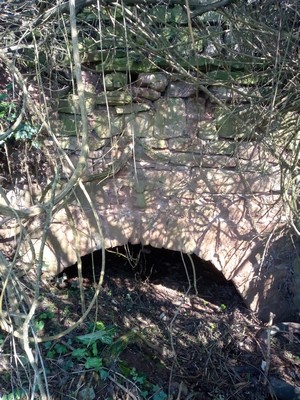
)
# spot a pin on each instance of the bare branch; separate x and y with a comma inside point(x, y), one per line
point(196, 5)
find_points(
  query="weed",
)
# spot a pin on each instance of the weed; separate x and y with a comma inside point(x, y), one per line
point(42, 318)
point(101, 336)
point(7, 109)
point(158, 393)
point(14, 395)
point(67, 312)
point(146, 389)
point(55, 351)
point(25, 132)
point(8, 113)
point(96, 351)
point(140, 379)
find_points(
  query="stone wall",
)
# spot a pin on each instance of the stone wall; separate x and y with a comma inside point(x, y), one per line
point(172, 164)
point(187, 177)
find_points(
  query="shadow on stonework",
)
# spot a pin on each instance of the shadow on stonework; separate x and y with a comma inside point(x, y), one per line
point(274, 286)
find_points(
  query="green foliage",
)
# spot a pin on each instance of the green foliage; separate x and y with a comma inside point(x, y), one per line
point(80, 353)
point(158, 393)
point(25, 132)
point(42, 318)
point(147, 390)
point(92, 345)
point(94, 342)
point(104, 336)
point(46, 315)
point(138, 379)
point(1, 339)
point(8, 113)
point(57, 350)
point(60, 348)
point(94, 363)
point(39, 325)
point(14, 395)
point(7, 108)
point(95, 352)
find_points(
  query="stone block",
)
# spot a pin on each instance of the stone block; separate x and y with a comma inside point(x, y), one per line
point(104, 125)
point(170, 118)
point(186, 144)
point(115, 80)
point(196, 119)
point(288, 131)
point(157, 81)
point(182, 89)
point(144, 93)
point(180, 40)
point(139, 125)
point(233, 125)
point(154, 143)
point(213, 44)
point(113, 98)
point(68, 125)
point(207, 130)
point(162, 14)
point(72, 143)
point(70, 105)
point(132, 108)
point(87, 45)
point(221, 147)
point(235, 94)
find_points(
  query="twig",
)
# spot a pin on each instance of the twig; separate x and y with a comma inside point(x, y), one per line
point(194, 274)
point(125, 390)
point(268, 355)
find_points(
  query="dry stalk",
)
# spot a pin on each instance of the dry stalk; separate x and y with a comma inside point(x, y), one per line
point(27, 323)
point(268, 354)
point(122, 387)
point(171, 329)
point(79, 262)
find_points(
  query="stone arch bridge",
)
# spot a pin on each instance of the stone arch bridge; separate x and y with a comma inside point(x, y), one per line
point(168, 167)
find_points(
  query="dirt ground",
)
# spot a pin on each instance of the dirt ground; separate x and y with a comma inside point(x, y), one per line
point(160, 330)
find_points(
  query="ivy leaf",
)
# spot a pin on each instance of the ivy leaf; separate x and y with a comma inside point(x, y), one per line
point(161, 395)
point(15, 395)
point(99, 326)
point(90, 338)
point(93, 362)
point(39, 325)
point(79, 353)
point(104, 374)
point(60, 348)
point(94, 349)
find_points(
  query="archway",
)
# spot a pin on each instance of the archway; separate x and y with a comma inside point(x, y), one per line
point(187, 274)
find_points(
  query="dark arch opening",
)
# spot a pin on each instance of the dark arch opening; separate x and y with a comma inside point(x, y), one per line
point(173, 269)
point(145, 291)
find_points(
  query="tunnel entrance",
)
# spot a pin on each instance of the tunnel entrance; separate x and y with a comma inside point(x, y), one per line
point(178, 271)
point(176, 328)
